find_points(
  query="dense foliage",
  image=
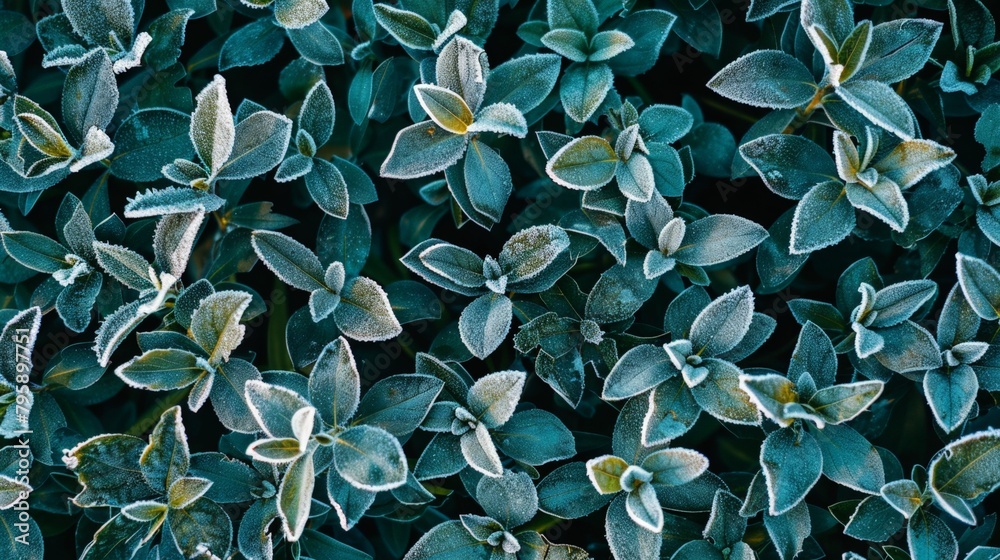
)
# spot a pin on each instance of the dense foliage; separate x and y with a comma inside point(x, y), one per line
point(499, 279)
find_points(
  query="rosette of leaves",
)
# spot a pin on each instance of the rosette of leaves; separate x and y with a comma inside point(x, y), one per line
point(678, 478)
point(242, 148)
point(509, 501)
point(330, 427)
point(814, 438)
point(40, 146)
point(462, 110)
point(201, 359)
point(687, 246)
point(259, 41)
point(531, 261)
point(974, 55)
point(173, 242)
point(860, 62)
point(696, 370)
point(723, 533)
point(967, 364)
point(957, 478)
point(419, 27)
point(878, 333)
point(598, 46)
point(75, 281)
point(153, 493)
point(987, 209)
point(324, 180)
point(568, 340)
point(480, 420)
point(638, 481)
point(72, 36)
point(641, 160)
point(829, 190)
point(292, 14)
point(359, 306)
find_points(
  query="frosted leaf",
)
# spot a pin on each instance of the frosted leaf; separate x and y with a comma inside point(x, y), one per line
point(370, 458)
point(456, 21)
point(484, 323)
point(322, 303)
point(67, 276)
point(296, 14)
point(215, 325)
point(792, 463)
point(124, 264)
point(966, 467)
point(295, 496)
point(912, 160)
point(585, 163)
point(133, 57)
point(765, 78)
point(884, 200)
point(289, 260)
point(478, 449)
point(444, 107)
point(364, 312)
point(422, 149)
point(531, 251)
point(317, 114)
point(105, 466)
point(822, 218)
point(43, 135)
point(212, 128)
point(28, 320)
point(510, 499)
point(259, 144)
point(200, 390)
point(90, 94)
point(167, 456)
point(171, 200)
point(273, 407)
point(583, 88)
point(116, 327)
point(846, 156)
point(173, 240)
point(95, 20)
point(163, 369)
point(96, 146)
point(881, 105)
point(184, 172)
point(493, 398)
point(79, 232)
point(334, 384)
point(462, 67)
point(723, 323)
point(163, 285)
point(501, 118)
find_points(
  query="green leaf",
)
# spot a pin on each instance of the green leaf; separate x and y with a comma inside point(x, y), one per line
point(212, 128)
point(792, 462)
point(583, 87)
point(824, 217)
point(966, 467)
point(290, 260)
point(493, 398)
point(583, 164)
point(370, 458)
point(167, 457)
point(605, 473)
point(445, 107)
point(364, 312)
point(216, 326)
point(90, 94)
point(484, 323)
point(162, 369)
point(409, 28)
point(107, 466)
point(766, 78)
